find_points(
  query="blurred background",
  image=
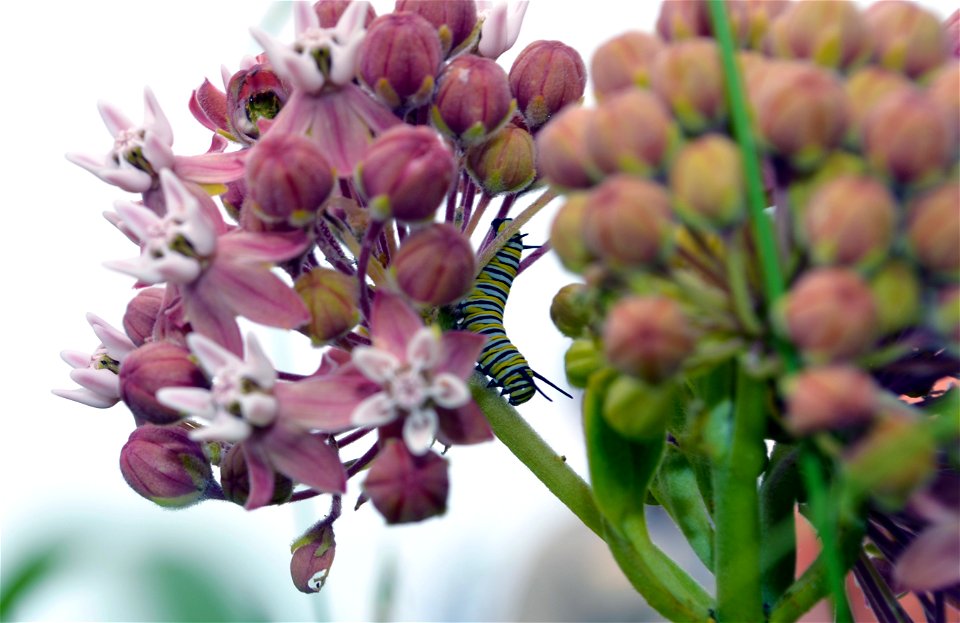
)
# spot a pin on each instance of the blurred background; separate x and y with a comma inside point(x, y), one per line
point(76, 543)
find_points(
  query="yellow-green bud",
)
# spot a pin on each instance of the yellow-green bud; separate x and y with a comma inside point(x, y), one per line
point(896, 290)
point(331, 298)
point(624, 62)
point(831, 34)
point(582, 359)
point(907, 37)
point(946, 316)
point(570, 311)
point(689, 77)
point(707, 182)
point(504, 164)
point(865, 89)
point(639, 410)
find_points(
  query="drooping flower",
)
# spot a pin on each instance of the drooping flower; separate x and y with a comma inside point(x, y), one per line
point(97, 373)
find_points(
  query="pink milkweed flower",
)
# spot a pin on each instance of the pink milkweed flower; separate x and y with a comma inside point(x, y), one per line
point(501, 26)
point(221, 274)
point(243, 406)
point(140, 152)
point(98, 373)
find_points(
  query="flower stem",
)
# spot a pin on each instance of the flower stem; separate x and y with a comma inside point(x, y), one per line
point(510, 230)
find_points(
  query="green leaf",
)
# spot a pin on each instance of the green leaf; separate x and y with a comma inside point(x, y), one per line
point(26, 576)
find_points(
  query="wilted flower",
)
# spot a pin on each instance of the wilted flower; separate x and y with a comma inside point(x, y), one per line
point(253, 94)
point(97, 373)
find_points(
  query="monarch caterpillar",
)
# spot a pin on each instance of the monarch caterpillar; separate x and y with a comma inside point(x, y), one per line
point(482, 312)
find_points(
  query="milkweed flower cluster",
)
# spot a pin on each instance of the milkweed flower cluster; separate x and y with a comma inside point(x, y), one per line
point(315, 210)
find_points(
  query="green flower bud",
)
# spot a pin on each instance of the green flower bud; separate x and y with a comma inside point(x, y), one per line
point(631, 132)
point(399, 59)
point(235, 479)
point(865, 89)
point(624, 62)
point(570, 310)
point(829, 398)
point(708, 184)
point(683, 20)
point(562, 157)
point(331, 298)
point(946, 316)
point(473, 99)
point(163, 465)
point(566, 233)
point(896, 290)
point(648, 337)
point(933, 229)
point(830, 34)
point(689, 77)
point(944, 90)
point(504, 164)
point(907, 37)
point(546, 76)
point(436, 265)
point(582, 359)
point(639, 410)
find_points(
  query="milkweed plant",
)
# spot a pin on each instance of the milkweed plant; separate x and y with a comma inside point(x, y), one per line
point(762, 214)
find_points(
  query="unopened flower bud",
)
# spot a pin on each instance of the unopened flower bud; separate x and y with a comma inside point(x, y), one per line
point(830, 314)
point(288, 178)
point(163, 465)
point(312, 558)
point(830, 34)
point(629, 222)
point(562, 156)
point(253, 94)
point(454, 20)
point(829, 398)
point(631, 132)
point(751, 20)
point(582, 359)
point(151, 367)
point(648, 337)
point(235, 479)
point(837, 164)
point(689, 77)
point(405, 488)
point(851, 221)
point(865, 89)
point(406, 173)
point(624, 62)
point(683, 20)
point(330, 11)
point(331, 297)
point(907, 138)
point(907, 37)
point(637, 409)
point(946, 316)
point(546, 76)
point(566, 233)
point(436, 265)
point(141, 314)
point(504, 164)
point(801, 111)
point(933, 229)
point(944, 90)
point(233, 199)
point(473, 99)
point(570, 311)
point(708, 184)
point(399, 59)
point(896, 291)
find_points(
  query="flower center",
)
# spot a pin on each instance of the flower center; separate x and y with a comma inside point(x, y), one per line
point(409, 389)
point(242, 397)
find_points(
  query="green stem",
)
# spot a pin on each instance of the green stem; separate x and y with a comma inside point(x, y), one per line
point(514, 227)
point(740, 289)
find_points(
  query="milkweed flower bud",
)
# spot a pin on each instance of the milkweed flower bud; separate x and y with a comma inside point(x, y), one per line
point(851, 221)
point(631, 132)
point(151, 367)
point(436, 265)
point(566, 233)
point(628, 222)
point(163, 465)
point(288, 178)
point(946, 316)
point(837, 164)
point(329, 12)
point(750, 20)
point(831, 34)
point(865, 89)
point(896, 291)
point(933, 229)
point(907, 37)
point(581, 360)
point(406, 173)
point(473, 99)
point(569, 310)
point(399, 59)
point(829, 398)
point(313, 555)
point(253, 94)
point(830, 314)
point(141, 314)
point(454, 20)
point(637, 409)
point(683, 20)
point(546, 76)
point(504, 164)
point(907, 138)
point(331, 298)
point(235, 479)
point(562, 156)
point(648, 337)
point(708, 184)
point(624, 62)
point(688, 76)
point(944, 90)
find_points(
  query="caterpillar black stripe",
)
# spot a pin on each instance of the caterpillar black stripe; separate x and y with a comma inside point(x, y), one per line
point(482, 312)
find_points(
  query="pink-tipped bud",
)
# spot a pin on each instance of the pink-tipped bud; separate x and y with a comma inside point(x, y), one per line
point(546, 76)
point(141, 314)
point(454, 20)
point(163, 465)
point(944, 90)
point(851, 221)
point(865, 89)
point(312, 558)
point(330, 11)
point(708, 184)
point(566, 233)
point(624, 62)
point(683, 20)
point(152, 367)
point(253, 94)
point(570, 310)
point(907, 37)
point(896, 290)
point(829, 398)
point(631, 132)
point(288, 178)
point(405, 488)
point(504, 164)
point(830, 314)
point(831, 34)
point(562, 157)
point(399, 59)
point(689, 77)
point(473, 99)
point(435, 265)
point(331, 298)
point(235, 479)
point(648, 337)
point(933, 229)
point(629, 222)
point(406, 173)
point(751, 20)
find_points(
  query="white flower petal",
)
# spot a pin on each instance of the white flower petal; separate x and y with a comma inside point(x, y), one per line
point(423, 349)
point(258, 366)
point(179, 199)
point(141, 268)
point(115, 120)
point(99, 381)
point(377, 365)
point(224, 427)
point(419, 431)
point(128, 178)
point(376, 410)
point(177, 268)
point(75, 358)
point(86, 397)
point(449, 391)
point(154, 119)
point(258, 409)
point(138, 219)
point(157, 151)
point(213, 357)
point(304, 17)
point(116, 342)
point(194, 401)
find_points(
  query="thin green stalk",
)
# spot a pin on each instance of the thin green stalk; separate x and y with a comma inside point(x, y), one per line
point(514, 227)
point(740, 289)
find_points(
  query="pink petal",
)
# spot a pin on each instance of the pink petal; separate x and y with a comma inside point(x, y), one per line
point(932, 560)
point(393, 322)
point(138, 219)
point(304, 17)
point(449, 391)
point(340, 132)
point(463, 426)
point(324, 403)
point(213, 357)
point(154, 119)
point(305, 458)
point(260, 474)
point(257, 294)
point(75, 358)
point(423, 349)
point(217, 144)
point(131, 180)
point(157, 151)
point(211, 168)
point(458, 353)
point(100, 381)
point(209, 315)
point(377, 365)
point(115, 120)
point(371, 111)
point(255, 247)
point(209, 105)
